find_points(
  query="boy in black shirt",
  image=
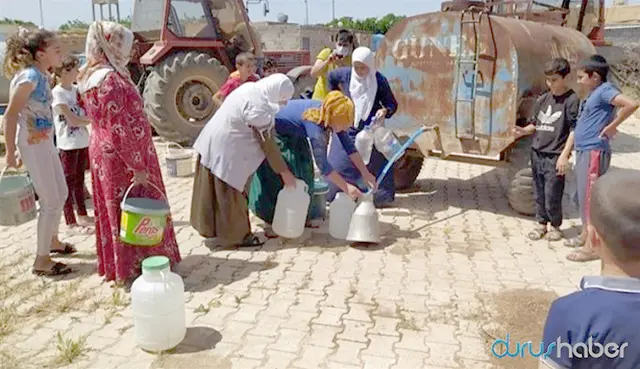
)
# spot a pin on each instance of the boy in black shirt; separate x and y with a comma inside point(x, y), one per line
point(553, 120)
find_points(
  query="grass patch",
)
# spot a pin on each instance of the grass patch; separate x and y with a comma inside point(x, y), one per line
point(69, 349)
point(406, 321)
point(205, 309)
point(61, 299)
point(8, 361)
point(119, 299)
point(8, 320)
point(111, 313)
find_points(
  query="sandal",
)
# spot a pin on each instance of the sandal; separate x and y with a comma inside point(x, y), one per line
point(251, 241)
point(269, 233)
point(555, 234)
point(67, 250)
point(311, 225)
point(57, 269)
point(582, 255)
point(575, 242)
point(82, 229)
point(86, 221)
point(537, 233)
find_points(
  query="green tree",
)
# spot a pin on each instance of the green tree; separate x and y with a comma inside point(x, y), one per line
point(80, 25)
point(74, 25)
point(372, 25)
point(17, 22)
point(126, 22)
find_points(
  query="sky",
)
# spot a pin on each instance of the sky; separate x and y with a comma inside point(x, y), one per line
point(57, 12)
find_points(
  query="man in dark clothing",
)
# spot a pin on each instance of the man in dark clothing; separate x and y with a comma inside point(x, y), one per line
point(553, 121)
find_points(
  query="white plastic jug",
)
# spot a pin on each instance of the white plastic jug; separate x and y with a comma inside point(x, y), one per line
point(291, 211)
point(340, 212)
point(364, 144)
point(386, 142)
point(157, 301)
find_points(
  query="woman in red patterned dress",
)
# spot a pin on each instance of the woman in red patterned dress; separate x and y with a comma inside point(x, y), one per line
point(121, 150)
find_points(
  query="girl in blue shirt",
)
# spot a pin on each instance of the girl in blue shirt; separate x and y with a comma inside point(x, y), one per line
point(298, 124)
point(373, 98)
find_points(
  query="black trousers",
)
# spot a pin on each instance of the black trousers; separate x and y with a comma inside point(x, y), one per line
point(548, 188)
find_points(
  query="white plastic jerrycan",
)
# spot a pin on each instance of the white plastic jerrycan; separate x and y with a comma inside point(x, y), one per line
point(157, 301)
point(291, 211)
point(364, 144)
point(386, 142)
point(364, 226)
point(340, 212)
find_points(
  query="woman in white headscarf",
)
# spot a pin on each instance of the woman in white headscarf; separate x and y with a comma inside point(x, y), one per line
point(231, 147)
point(373, 100)
point(121, 150)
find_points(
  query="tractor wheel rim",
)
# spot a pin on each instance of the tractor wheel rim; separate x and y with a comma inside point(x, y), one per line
point(194, 101)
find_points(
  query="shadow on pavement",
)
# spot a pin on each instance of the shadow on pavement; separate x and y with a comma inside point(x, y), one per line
point(195, 351)
point(198, 339)
point(486, 192)
point(202, 272)
point(319, 241)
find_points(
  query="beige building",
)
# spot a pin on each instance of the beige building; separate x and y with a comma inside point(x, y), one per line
point(622, 24)
point(622, 15)
point(288, 36)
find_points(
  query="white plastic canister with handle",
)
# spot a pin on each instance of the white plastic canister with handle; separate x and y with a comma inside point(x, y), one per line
point(292, 207)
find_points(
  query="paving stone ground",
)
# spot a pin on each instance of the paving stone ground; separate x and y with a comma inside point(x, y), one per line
point(454, 272)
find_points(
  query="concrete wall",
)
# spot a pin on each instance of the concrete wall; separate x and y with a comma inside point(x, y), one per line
point(287, 36)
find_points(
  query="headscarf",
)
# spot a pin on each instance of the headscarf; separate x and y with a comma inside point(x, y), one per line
point(363, 90)
point(337, 111)
point(261, 110)
point(108, 47)
point(276, 88)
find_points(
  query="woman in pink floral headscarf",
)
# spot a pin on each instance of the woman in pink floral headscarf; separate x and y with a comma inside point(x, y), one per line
point(121, 150)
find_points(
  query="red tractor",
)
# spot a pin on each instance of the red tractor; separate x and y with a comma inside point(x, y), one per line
point(184, 52)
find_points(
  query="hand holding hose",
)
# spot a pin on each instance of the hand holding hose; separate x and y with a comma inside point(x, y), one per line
point(370, 180)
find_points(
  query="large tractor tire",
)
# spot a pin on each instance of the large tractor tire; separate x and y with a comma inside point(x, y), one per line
point(178, 94)
point(520, 193)
point(521, 197)
point(302, 81)
point(407, 169)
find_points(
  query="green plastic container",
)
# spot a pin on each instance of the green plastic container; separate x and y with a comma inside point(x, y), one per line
point(155, 263)
point(319, 200)
point(143, 220)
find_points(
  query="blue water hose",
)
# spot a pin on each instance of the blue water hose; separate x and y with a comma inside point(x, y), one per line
point(398, 154)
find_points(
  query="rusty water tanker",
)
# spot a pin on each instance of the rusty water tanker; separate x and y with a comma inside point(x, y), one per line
point(474, 74)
